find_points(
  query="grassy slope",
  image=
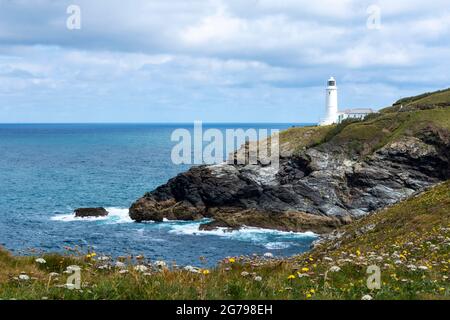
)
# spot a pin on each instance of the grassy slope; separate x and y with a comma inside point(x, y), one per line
point(413, 233)
point(364, 137)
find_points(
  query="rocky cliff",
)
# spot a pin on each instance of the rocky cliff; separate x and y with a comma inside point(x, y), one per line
point(328, 176)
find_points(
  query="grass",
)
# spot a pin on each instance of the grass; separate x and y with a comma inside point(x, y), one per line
point(362, 138)
point(409, 241)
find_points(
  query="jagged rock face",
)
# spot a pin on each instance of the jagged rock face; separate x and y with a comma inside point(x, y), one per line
point(318, 190)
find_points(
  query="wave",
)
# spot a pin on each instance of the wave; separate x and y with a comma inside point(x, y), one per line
point(270, 239)
point(116, 215)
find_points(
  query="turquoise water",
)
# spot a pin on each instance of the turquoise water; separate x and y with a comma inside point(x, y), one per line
point(48, 170)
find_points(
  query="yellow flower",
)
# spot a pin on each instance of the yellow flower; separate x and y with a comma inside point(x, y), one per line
point(93, 254)
point(308, 296)
point(441, 289)
point(291, 277)
point(205, 272)
point(312, 291)
point(232, 260)
point(305, 269)
point(358, 253)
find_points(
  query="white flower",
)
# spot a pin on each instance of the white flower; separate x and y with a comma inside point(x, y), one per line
point(103, 267)
point(141, 268)
point(120, 265)
point(104, 258)
point(192, 269)
point(258, 278)
point(24, 277)
point(424, 268)
point(367, 297)
point(328, 259)
point(268, 255)
point(244, 273)
point(123, 271)
point(411, 267)
point(160, 264)
point(40, 261)
point(335, 269)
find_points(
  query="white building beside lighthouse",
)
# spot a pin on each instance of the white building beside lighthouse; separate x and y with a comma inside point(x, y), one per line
point(332, 114)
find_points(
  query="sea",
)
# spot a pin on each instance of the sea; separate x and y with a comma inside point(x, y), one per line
point(48, 170)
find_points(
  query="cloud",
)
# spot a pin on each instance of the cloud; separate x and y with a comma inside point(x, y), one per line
point(200, 59)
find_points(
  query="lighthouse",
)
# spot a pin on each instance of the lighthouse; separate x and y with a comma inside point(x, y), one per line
point(331, 103)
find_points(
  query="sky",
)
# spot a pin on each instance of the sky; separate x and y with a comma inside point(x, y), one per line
point(215, 60)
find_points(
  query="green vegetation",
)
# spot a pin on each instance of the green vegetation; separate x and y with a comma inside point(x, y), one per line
point(430, 98)
point(361, 138)
point(299, 138)
point(410, 242)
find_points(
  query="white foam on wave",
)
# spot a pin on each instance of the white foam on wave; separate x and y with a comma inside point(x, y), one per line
point(115, 215)
point(271, 239)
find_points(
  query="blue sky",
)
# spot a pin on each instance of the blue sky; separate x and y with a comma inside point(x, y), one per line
point(215, 61)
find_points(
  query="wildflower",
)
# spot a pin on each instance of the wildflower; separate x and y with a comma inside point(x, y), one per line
point(141, 268)
point(232, 260)
point(423, 268)
point(103, 267)
point(328, 259)
point(305, 269)
point(258, 279)
point(123, 271)
point(312, 291)
point(268, 255)
point(192, 269)
point(291, 277)
point(160, 264)
point(40, 261)
point(358, 253)
point(244, 273)
point(308, 296)
point(335, 269)
point(24, 277)
point(104, 258)
point(206, 272)
point(120, 265)
point(441, 289)
point(367, 297)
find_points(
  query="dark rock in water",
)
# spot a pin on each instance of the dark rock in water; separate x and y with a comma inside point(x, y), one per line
point(316, 189)
point(90, 212)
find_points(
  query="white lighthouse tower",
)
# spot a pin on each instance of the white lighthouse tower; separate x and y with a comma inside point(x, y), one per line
point(331, 103)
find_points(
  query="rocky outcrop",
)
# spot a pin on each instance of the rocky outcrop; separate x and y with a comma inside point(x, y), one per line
point(90, 212)
point(317, 189)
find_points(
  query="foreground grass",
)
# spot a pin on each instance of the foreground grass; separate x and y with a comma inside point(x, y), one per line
point(410, 242)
